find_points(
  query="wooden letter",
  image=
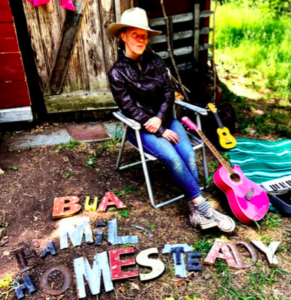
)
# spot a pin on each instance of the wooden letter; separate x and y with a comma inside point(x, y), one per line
point(110, 199)
point(114, 239)
point(193, 262)
point(26, 285)
point(50, 248)
point(157, 265)
point(75, 234)
point(236, 253)
point(91, 207)
point(66, 207)
point(214, 253)
point(67, 280)
point(116, 264)
point(92, 275)
point(180, 269)
point(269, 251)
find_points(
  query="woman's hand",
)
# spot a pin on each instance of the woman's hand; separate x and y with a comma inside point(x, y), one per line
point(153, 124)
point(171, 136)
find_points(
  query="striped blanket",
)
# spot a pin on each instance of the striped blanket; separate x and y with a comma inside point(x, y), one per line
point(262, 160)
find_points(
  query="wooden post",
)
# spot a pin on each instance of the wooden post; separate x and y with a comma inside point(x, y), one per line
point(196, 30)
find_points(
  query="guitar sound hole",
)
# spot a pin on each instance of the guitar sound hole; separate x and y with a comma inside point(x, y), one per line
point(235, 177)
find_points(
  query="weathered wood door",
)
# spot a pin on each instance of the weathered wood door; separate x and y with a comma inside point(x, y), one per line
point(73, 53)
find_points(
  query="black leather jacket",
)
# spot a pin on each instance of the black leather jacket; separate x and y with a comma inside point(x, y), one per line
point(145, 92)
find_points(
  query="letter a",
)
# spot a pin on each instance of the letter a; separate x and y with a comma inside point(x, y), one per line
point(214, 253)
point(110, 199)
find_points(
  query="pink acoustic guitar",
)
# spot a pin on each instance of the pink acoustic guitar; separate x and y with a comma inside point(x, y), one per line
point(248, 201)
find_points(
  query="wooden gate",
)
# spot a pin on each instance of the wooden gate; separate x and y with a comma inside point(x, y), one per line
point(73, 53)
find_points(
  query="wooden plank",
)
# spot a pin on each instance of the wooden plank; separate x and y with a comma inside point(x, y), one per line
point(206, 13)
point(176, 36)
point(11, 67)
point(205, 30)
point(8, 41)
point(204, 47)
point(163, 54)
point(5, 15)
point(14, 94)
point(176, 19)
point(183, 51)
point(117, 7)
point(196, 31)
point(71, 28)
point(109, 43)
point(79, 101)
point(16, 114)
point(185, 66)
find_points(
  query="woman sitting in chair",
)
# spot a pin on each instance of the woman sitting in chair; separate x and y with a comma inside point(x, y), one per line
point(141, 88)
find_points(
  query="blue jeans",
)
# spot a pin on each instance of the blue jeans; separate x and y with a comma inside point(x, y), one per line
point(179, 158)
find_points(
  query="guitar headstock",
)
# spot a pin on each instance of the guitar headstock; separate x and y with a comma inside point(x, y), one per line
point(212, 107)
point(189, 123)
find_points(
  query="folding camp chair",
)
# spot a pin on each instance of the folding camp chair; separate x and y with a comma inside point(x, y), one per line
point(145, 157)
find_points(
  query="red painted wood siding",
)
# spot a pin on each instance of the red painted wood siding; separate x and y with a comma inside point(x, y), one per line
point(13, 86)
point(6, 15)
point(8, 41)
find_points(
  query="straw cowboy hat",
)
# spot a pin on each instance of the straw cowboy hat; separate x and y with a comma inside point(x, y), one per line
point(134, 17)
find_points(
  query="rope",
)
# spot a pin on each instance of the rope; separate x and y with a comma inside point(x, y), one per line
point(171, 53)
point(213, 54)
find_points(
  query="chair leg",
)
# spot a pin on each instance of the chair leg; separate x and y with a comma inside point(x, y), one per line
point(125, 128)
point(203, 152)
point(205, 167)
point(145, 168)
point(147, 177)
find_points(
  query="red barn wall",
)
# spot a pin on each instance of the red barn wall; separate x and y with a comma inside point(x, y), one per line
point(13, 87)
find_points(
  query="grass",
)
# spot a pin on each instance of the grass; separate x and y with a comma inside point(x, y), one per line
point(252, 50)
point(259, 44)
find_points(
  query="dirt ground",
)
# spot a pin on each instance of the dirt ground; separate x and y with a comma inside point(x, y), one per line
point(34, 177)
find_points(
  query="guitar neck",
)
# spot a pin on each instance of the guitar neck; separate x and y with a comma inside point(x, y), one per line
point(215, 152)
point(218, 120)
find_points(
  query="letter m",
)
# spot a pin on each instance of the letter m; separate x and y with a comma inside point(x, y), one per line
point(92, 275)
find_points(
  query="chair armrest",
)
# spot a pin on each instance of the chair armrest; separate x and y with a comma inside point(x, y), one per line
point(196, 109)
point(130, 122)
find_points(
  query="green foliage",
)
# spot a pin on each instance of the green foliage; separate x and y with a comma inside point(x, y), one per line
point(272, 220)
point(72, 144)
point(123, 213)
point(128, 190)
point(67, 175)
point(90, 161)
point(271, 7)
point(203, 246)
point(111, 208)
point(213, 165)
point(128, 245)
point(257, 43)
point(4, 226)
point(13, 168)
